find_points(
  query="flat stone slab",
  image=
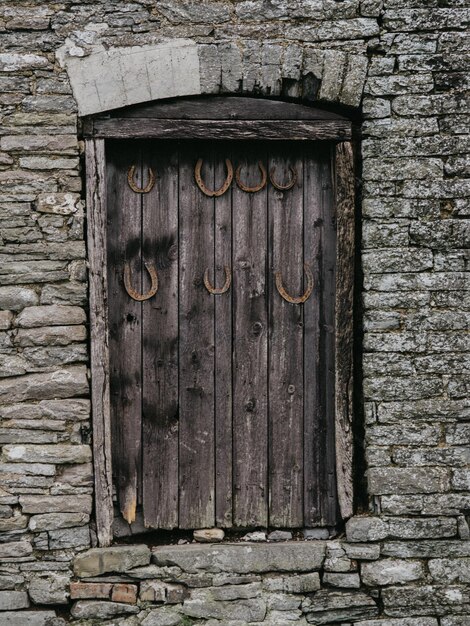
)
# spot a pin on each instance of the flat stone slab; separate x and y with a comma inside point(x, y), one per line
point(243, 559)
point(115, 559)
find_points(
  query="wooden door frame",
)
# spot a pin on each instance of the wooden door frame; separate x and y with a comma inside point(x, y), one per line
point(228, 119)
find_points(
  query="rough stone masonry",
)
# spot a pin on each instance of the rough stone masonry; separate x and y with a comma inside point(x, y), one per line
point(403, 66)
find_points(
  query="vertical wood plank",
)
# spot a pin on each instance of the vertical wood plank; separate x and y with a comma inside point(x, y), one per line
point(286, 385)
point(223, 343)
point(250, 385)
point(160, 341)
point(99, 349)
point(314, 422)
point(124, 246)
point(328, 465)
point(344, 187)
point(196, 340)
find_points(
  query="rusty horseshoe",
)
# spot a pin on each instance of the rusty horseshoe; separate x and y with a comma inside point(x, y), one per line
point(214, 290)
point(289, 185)
point(264, 178)
point(134, 187)
point(135, 295)
point(221, 190)
point(300, 299)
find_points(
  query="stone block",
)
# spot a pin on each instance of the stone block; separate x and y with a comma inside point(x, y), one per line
point(50, 588)
point(83, 591)
point(346, 581)
point(450, 571)
point(202, 605)
point(16, 298)
point(15, 522)
point(426, 549)
point(62, 383)
point(63, 538)
point(51, 315)
point(54, 521)
point(123, 592)
point(243, 559)
point(15, 550)
point(13, 62)
point(208, 535)
point(366, 529)
point(56, 504)
point(114, 559)
point(100, 609)
point(362, 552)
point(402, 621)
point(13, 600)
point(162, 617)
point(109, 79)
point(391, 572)
point(394, 480)
point(30, 618)
point(327, 606)
point(6, 318)
point(152, 591)
point(297, 583)
point(52, 453)
point(50, 336)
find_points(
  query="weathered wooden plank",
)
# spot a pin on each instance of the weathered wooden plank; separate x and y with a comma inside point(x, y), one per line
point(99, 350)
point(286, 389)
point(124, 246)
point(250, 346)
point(196, 340)
point(228, 108)
point(160, 341)
point(223, 342)
point(328, 471)
point(314, 423)
point(294, 130)
point(344, 189)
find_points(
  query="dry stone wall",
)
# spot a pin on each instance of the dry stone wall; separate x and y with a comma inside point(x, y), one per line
point(404, 68)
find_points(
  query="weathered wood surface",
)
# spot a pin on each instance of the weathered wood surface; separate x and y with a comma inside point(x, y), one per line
point(160, 412)
point(125, 318)
point(196, 345)
point(286, 354)
point(99, 348)
point(344, 191)
point(223, 342)
point(250, 346)
point(227, 107)
point(293, 130)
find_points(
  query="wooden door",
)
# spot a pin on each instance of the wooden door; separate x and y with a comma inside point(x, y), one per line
point(222, 404)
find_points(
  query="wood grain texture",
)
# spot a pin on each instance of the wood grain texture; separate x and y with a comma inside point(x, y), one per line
point(344, 192)
point(223, 342)
point(293, 130)
point(196, 346)
point(160, 412)
point(286, 388)
point(227, 107)
point(125, 319)
point(250, 336)
point(99, 349)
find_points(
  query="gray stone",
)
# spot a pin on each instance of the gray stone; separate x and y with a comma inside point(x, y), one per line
point(346, 581)
point(364, 552)
point(77, 537)
point(450, 571)
point(257, 535)
point(408, 480)
point(49, 588)
point(53, 521)
point(16, 522)
point(54, 453)
point(50, 336)
point(366, 529)
point(297, 583)
point(12, 600)
point(402, 621)
point(280, 535)
point(28, 618)
point(50, 316)
point(100, 609)
point(162, 617)
point(209, 535)
point(391, 571)
point(316, 533)
point(6, 318)
point(56, 504)
point(16, 550)
point(109, 79)
point(327, 606)
point(16, 298)
point(243, 559)
point(114, 559)
point(62, 383)
point(202, 605)
point(11, 62)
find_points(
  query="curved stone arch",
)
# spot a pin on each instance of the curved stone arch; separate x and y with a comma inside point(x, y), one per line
point(119, 77)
